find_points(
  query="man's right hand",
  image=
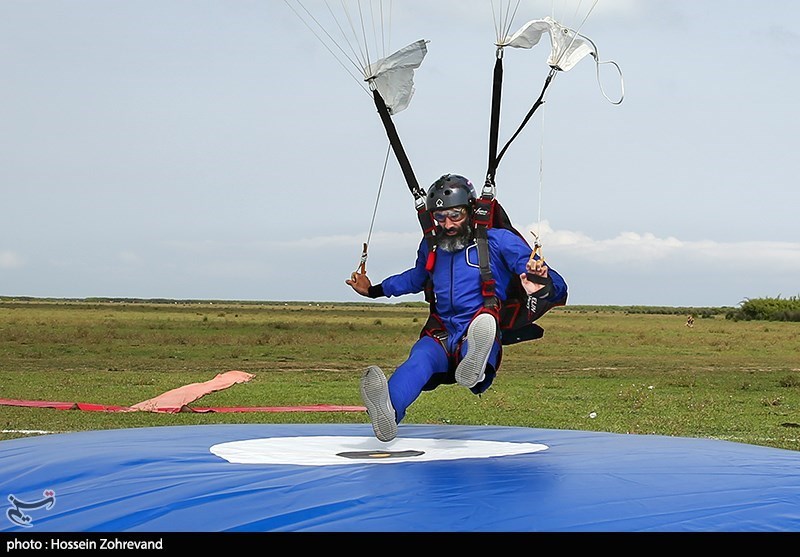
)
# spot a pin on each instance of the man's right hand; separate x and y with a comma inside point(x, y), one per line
point(360, 283)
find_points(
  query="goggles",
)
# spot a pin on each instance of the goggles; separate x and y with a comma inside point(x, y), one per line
point(454, 215)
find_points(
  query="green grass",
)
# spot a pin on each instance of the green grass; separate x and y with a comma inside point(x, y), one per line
point(596, 369)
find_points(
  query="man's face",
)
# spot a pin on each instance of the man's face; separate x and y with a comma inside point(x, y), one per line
point(455, 224)
point(452, 221)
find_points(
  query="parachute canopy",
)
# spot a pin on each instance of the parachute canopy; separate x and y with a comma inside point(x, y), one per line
point(393, 76)
point(357, 34)
point(568, 47)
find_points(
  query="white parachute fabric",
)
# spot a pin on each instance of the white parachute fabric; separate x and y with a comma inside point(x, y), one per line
point(529, 35)
point(567, 46)
point(356, 33)
point(393, 76)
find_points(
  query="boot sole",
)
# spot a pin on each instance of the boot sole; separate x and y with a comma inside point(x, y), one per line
point(375, 394)
point(480, 338)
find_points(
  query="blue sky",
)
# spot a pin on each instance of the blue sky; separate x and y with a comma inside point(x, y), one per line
point(217, 150)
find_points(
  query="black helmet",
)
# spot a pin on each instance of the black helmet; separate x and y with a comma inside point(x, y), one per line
point(451, 190)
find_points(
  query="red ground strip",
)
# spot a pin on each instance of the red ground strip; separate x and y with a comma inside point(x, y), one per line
point(90, 407)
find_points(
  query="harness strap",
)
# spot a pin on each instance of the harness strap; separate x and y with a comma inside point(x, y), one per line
point(428, 230)
point(435, 328)
point(482, 219)
point(488, 285)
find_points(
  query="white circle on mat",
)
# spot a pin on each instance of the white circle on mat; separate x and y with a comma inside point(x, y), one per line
point(343, 450)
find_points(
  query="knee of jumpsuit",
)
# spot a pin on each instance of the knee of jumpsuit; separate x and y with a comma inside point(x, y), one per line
point(405, 385)
point(491, 367)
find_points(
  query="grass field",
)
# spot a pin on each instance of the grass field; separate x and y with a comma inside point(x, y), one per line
point(596, 369)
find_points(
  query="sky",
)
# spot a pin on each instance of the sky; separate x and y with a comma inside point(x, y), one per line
point(219, 150)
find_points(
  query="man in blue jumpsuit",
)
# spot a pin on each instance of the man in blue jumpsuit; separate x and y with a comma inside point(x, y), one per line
point(470, 352)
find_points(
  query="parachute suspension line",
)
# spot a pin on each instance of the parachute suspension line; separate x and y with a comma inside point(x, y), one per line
point(578, 8)
point(364, 51)
point(503, 21)
point(332, 40)
point(362, 267)
point(577, 33)
point(375, 19)
point(380, 189)
point(354, 32)
point(386, 41)
point(575, 13)
point(537, 235)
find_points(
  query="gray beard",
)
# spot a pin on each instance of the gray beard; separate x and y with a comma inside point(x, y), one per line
point(457, 242)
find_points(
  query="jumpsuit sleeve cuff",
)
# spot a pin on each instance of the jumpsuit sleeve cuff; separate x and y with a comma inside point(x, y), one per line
point(375, 291)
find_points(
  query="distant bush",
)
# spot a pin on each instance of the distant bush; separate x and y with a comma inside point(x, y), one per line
point(767, 309)
point(701, 312)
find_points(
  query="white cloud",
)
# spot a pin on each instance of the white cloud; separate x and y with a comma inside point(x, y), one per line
point(636, 248)
point(10, 260)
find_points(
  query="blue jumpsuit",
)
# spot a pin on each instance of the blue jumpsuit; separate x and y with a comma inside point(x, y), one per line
point(457, 288)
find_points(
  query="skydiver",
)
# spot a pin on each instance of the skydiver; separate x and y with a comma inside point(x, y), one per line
point(462, 341)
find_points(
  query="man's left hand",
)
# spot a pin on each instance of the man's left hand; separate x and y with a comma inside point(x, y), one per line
point(537, 268)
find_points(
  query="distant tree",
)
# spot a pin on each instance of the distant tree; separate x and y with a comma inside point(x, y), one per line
point(767, 309)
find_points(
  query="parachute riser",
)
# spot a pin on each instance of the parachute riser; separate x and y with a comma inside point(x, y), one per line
point(397, 146)
point(539, 102)
point(423, 215)
point(494, 129)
